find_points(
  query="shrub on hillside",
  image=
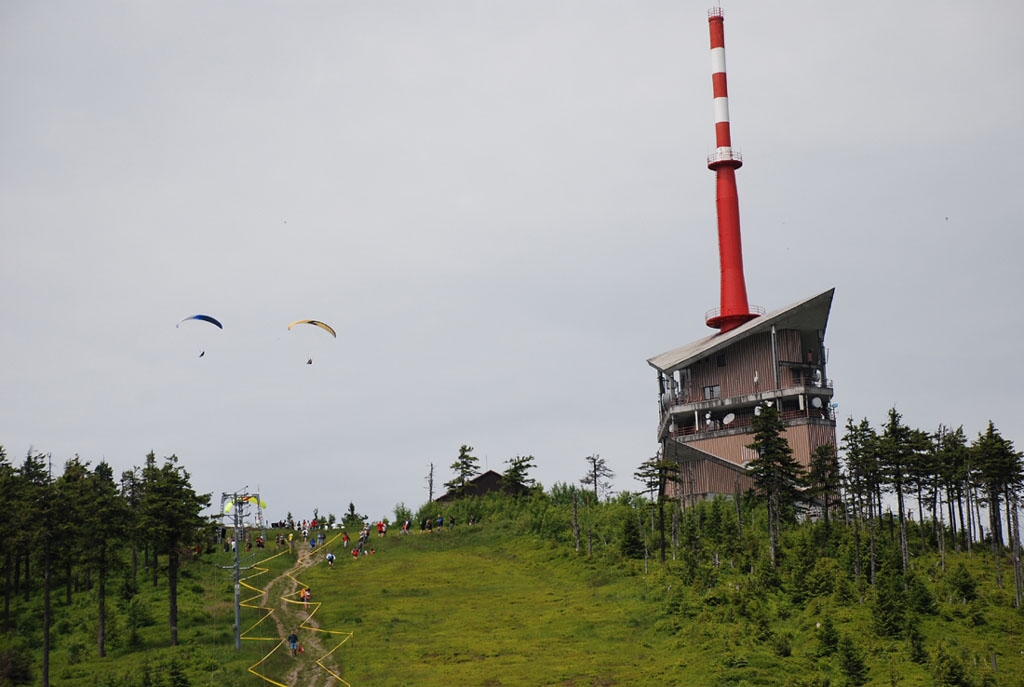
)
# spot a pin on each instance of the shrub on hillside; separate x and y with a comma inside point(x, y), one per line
point(962, 584)
point(632, 545)
point(948, 670)
point(915, 640)
point(822, 578)
point(851, 662)
point(15, 662)
point(919, 597)
point(828, 637)
point(782, 645)
point(889, 609)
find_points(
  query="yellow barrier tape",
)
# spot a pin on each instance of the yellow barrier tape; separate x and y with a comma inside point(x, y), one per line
point(258, 594)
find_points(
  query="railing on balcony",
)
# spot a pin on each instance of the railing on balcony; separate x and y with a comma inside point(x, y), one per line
point(715, 312)
point(746, 421)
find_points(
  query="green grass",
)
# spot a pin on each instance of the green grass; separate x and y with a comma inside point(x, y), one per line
point(491, 605)
point(478, 607)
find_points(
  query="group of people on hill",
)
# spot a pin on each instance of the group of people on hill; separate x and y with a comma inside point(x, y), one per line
point(362, 547)
point(437, 524)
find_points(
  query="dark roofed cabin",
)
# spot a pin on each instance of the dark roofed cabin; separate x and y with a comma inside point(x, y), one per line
point(484, 483)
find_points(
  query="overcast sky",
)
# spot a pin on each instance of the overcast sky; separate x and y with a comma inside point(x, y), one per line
point(504, 210)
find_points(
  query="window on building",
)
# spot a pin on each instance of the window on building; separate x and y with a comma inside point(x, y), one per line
point(720, 359)
point(712, 392)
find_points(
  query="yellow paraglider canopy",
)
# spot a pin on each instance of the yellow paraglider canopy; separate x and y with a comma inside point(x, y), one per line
point(244, 499)
point(326, 327)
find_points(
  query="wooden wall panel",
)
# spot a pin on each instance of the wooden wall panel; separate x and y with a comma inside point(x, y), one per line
point(708, 477)
point(789, 347)
point(736, 377)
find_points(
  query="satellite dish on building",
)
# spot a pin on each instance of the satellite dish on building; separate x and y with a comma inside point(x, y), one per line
point(728, 418)
point(816, 402)
point(757, 410)
point(769, 403)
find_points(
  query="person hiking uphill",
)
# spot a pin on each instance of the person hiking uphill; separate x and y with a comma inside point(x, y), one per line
point(293, 643)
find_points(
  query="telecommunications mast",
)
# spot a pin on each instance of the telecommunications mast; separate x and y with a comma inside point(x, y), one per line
point(734, 309)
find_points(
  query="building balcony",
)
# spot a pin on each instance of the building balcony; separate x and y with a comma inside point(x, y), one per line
point(735, 415)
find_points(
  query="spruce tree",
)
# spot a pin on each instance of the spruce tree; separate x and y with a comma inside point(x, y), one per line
point(353, 520)
point(598, 476)
point(516, 477)
point(775, 472)
point(107, 522)
point(851, 662)
point(899, 447)
point(823, 479)
point(656, 474)
point(8, 532)
point(860, 444)
point(998, 471)
point(948, 670)
point(890, 607)
point(828, 637)
point(465, 467)
point(951, 464)
point(632, 538)
point(170, 517)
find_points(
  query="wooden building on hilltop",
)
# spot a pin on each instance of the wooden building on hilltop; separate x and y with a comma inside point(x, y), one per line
point(710, 390)
point(484, 483)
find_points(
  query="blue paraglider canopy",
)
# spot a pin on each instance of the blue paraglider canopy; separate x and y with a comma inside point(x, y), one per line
point(204, 318)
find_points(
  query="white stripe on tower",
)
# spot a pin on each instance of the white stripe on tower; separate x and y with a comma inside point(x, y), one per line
point(723, 138)
point(721, 97)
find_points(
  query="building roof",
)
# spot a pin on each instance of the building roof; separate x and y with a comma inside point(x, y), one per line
point(810, 314)
point(483, 483)
point(679, 451)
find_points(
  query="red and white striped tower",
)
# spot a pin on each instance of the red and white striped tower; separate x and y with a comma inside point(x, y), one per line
point(734, 309)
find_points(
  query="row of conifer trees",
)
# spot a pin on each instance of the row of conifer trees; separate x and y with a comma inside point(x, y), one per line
point(76, 530)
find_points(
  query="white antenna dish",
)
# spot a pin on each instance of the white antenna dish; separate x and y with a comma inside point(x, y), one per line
point(757, 410)
point(769, 403)
point(728, 418)
point(816, 402)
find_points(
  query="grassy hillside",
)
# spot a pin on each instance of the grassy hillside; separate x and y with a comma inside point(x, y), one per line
point(510, 602)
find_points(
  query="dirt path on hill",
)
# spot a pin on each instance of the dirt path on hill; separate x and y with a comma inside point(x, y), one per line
point(281, 594)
